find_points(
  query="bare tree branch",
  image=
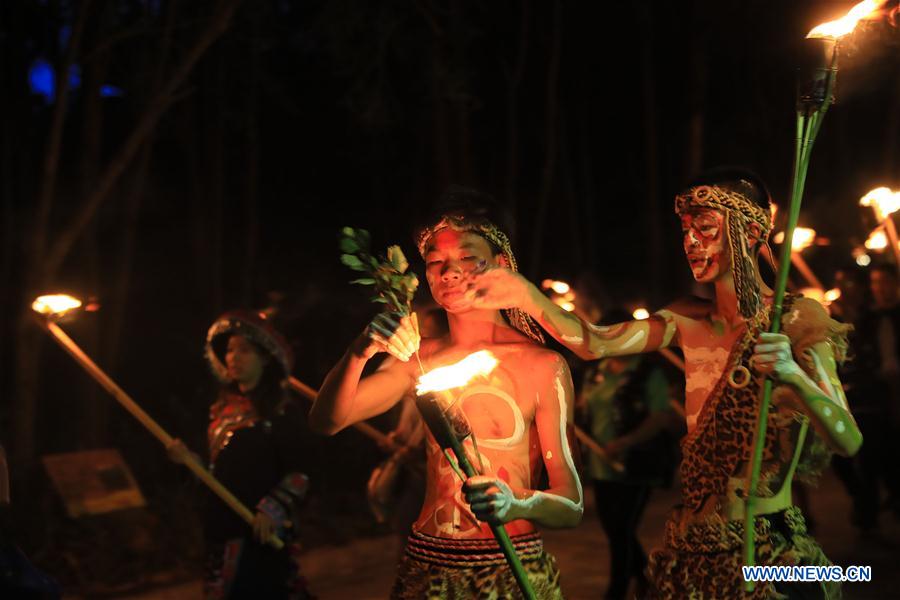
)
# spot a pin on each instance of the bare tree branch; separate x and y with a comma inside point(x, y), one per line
point(155, 109)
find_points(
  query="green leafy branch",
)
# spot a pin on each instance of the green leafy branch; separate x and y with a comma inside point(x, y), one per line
point(393, 285)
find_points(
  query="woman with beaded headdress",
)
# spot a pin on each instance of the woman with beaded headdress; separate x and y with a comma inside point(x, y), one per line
point(254, 452)
point(725, 217)
point(519, 415)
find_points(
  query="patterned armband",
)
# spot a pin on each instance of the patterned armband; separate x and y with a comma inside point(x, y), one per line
point(275, 510)
point(293, 487)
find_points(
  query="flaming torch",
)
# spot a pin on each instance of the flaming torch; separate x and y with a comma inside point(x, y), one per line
point(450, 428)
point(885, 202)
point(802, 239)
point(52, 308)
point(814, 99)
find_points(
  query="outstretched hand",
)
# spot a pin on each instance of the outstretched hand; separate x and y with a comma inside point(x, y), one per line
point(490, 498)
point(497, 288)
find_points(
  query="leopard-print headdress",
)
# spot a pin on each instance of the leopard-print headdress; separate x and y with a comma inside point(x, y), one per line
point(517, 318)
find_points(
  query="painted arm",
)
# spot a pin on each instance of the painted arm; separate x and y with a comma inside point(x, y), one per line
point(344, 399)
point(823, 399)
point(562, 505)
point(499, 288)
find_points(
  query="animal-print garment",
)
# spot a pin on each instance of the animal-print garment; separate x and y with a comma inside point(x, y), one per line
point(704, 563)
point(443, 569)
point(703, 551)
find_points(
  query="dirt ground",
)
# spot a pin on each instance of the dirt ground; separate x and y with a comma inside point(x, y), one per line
point(364, 568)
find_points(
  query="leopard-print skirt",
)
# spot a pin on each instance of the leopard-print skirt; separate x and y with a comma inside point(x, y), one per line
point(703, 561)
point(440, 569)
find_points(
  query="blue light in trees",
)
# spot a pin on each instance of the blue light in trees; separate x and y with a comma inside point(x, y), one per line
point(74, 77)
point(111, 91)
point(41, 79)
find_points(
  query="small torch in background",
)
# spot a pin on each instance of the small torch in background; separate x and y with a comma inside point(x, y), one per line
point(51, 309)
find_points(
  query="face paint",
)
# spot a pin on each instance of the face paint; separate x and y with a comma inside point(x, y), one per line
point(450, 257)
point(704, 243)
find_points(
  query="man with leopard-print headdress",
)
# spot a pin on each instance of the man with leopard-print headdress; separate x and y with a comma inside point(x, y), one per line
point(725, 217)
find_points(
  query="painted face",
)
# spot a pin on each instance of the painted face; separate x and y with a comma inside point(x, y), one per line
point(245, 363)
point(704, 243)
point(449, 257)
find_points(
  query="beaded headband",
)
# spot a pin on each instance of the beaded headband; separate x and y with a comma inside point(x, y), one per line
point(739, 211)
point(490, 232)
point(712, 196)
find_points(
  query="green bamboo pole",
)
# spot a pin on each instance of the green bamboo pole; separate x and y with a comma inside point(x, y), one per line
point(809, 122)
point(434, 417)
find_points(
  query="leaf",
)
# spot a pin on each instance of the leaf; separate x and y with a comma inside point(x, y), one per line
point(348, 245)
point(379, 299)
point(364, 281)
point(396, 258)
point(362, 236)
point(348, 232)
point(352, 262)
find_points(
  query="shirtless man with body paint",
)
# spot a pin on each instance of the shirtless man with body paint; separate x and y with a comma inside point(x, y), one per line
point(520, 415)
point(725, 219)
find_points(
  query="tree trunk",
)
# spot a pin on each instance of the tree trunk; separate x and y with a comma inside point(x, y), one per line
point(550, 141)
point(252, 192)
point(514, 80)
point(652, 216)
point(28, 344)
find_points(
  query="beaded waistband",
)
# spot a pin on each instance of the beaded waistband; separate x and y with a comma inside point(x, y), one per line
point(470, 552)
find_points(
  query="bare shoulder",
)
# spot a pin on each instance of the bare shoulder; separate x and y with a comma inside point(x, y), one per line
point(544, 363)
point(690, 307)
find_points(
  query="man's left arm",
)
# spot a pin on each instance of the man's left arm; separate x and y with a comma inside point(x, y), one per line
point(562, 505)
point(823, 399)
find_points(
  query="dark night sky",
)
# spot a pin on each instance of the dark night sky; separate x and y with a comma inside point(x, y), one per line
point(308, 116)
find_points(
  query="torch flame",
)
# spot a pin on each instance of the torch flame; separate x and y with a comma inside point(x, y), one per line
point(55, 304)
point(803, 238)
point(458, 374)
point(560, 287)
point(815, 293)
point(883, 200)
point(640, 314)
point(877, 240)
point(867, 9)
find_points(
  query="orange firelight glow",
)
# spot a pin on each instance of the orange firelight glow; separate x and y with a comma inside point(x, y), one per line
point(55, 304)
point(867, 9)
point(884, 201)
point(803, 238)
point(458, 374)
point(877, 240)
point(560, 287)
point(815, 293)
point(832, 295)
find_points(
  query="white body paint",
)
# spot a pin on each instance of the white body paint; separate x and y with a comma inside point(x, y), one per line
point(567, 455)
point(519, 421)
point(636, 338)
